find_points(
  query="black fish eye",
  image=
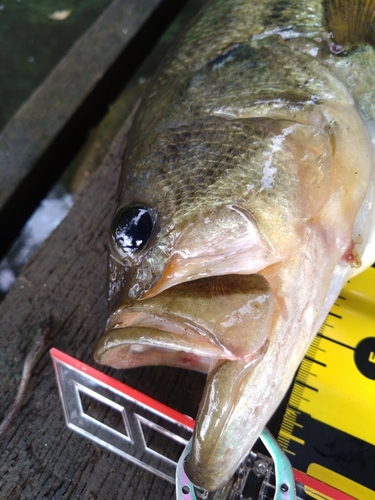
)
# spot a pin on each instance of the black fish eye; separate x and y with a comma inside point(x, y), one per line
point(131, 228)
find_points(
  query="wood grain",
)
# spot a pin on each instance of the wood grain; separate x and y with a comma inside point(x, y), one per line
point(62, 294)
point(42, 117)
point(50, 128)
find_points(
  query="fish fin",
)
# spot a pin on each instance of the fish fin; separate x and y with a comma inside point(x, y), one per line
point(351, 21)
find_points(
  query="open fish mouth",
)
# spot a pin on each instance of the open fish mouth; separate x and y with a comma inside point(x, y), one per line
point(170, 341)
point(220, 325)
point(192, 325)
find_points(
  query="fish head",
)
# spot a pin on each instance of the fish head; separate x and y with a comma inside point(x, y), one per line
point(194, 233)
point(218, 263)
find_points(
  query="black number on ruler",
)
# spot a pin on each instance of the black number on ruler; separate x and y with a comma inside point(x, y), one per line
point(364, 357)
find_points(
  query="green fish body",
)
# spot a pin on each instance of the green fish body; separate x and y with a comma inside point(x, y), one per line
point(244, 205)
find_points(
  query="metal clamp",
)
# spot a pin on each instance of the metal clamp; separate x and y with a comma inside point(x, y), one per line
point(254, 465)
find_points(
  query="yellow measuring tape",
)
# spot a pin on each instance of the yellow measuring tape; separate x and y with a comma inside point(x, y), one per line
point(328, 430)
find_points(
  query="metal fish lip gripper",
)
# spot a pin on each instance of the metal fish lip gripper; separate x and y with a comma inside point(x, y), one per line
point(262, 475)
point(254, 473)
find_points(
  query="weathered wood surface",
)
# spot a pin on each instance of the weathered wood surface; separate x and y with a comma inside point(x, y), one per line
point(47, 131)
point(41, 118)
point(62, 294)
point(57, 99)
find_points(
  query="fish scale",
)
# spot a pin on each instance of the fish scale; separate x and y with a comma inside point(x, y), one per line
point(201, 174)
point(224, 23)
point(214, 168)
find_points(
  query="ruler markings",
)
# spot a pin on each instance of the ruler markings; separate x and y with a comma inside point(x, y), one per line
point(294, 402)
point(335, 315)
point(316, 361)
point(289, 426)
point(303, 376)
point(283, 442)
point(292, 407)
point(315, 346)
point(290, 412)
point(305, 399)
point(298, 391)
point(314, 420)
point(336, 341)
point(291, 437)
point(307, 386)
point(290, 452)
point(306, 369)
point(289, 423)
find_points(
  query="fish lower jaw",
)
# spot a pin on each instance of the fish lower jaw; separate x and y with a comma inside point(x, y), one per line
point(136, 346)
point(138, 355)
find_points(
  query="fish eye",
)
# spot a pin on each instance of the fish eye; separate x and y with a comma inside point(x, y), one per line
point(131, 228)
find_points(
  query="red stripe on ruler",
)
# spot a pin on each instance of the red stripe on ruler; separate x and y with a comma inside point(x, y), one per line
point(320, 487)
point(123, 388)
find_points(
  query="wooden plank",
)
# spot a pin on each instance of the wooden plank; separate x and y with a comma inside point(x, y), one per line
point(61, 295)
point(54, 102)
point(48, 130)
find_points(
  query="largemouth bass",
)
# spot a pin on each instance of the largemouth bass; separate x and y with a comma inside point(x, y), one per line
point(244, 205)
